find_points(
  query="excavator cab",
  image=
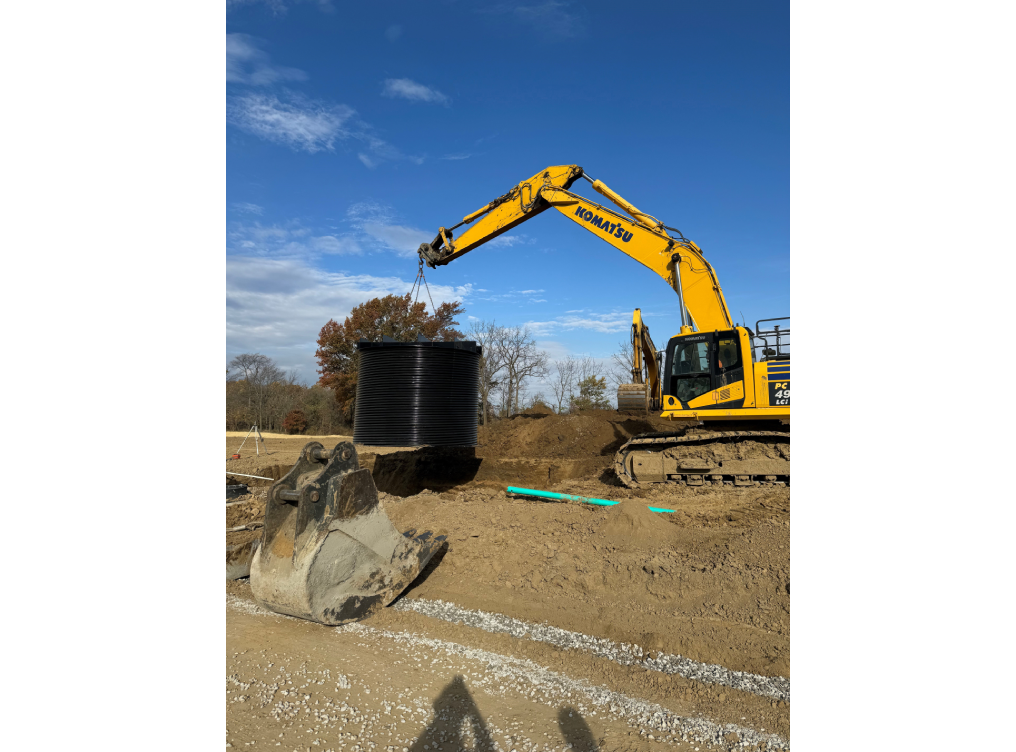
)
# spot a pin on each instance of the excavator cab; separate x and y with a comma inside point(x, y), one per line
point(721, 371)
point(706, 370)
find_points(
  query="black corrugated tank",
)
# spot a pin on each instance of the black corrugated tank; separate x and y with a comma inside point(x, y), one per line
point(417, 393)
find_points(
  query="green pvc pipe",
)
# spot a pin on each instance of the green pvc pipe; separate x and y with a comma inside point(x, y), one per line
point(569, 497)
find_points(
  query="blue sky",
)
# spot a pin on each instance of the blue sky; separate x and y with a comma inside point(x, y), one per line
point(355, 130)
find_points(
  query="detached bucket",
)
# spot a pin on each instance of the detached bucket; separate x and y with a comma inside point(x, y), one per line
point(328, 552)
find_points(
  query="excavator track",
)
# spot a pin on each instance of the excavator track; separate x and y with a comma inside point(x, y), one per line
point(705, 458)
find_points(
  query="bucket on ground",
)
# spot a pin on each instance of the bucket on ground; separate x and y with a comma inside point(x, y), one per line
point(328, 551)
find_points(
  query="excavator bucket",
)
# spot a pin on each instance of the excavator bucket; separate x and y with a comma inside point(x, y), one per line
point(328, 552)
point(632, 397)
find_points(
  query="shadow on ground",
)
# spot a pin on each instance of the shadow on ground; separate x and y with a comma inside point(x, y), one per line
point(458, 724)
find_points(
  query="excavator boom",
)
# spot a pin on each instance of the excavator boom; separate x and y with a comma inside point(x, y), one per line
point(639, 235)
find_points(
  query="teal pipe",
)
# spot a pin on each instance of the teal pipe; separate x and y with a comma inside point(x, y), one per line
point(569, 497)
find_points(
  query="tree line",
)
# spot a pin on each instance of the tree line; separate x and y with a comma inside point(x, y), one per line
point(260, 393)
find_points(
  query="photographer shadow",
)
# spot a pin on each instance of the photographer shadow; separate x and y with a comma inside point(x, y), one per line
point(458, 725)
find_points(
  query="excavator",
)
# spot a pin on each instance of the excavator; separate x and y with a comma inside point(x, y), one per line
point(645, 392)
point(330, 554)
point(725, 387)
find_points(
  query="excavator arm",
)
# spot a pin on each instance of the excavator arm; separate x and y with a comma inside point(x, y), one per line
point(645, 392)
point(645, 360)
point(639, 235)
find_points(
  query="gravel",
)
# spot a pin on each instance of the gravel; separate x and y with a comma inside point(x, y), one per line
point(495, 674)
point(623, 653)
point(504, 674)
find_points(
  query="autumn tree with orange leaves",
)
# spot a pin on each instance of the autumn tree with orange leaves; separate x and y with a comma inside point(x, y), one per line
point(395, 316)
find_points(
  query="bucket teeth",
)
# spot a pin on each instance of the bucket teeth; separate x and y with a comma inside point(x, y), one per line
point(328, 552)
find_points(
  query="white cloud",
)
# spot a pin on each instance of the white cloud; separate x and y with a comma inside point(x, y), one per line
point(549, 19)
point(247, 63)
point(403, 240)
point(507, 241)
point(336, 245)
point(617, 321)
point(369, 227)
point(300, 124)
point(277, 306)
point(377, 224)
point(393, 32)
point(456, 157)
point(309, 125)
point(248, 208)
point(555, 350)
point(291, 240)
point(406, 88)
point(511, 295)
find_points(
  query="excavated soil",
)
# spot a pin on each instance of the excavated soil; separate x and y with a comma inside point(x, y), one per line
point(594, 433)
point(243, 511)
point(709, 581)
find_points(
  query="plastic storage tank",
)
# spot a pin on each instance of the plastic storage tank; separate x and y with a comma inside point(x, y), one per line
point(417, 393)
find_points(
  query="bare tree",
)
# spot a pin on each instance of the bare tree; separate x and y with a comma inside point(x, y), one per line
point(259, 372)
point(563, 381)
point(521, 360)
point(537, 400)
point(486, 334)
point(621, 364)
point(588, 367)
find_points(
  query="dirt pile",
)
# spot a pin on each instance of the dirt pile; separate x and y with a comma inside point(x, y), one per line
point(591, 433)
point(442, 469)
point(243, 511)
point(632, 526)
point(710, 581)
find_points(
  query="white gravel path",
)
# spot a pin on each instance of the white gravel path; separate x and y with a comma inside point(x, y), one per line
point(505, 676)
point(623, 653)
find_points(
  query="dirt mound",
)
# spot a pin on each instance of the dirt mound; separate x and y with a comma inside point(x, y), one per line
point(710, 581)
point(591, 433)
point(538, 410)
point(630, 525)
point(243, 512)
point(441, 469)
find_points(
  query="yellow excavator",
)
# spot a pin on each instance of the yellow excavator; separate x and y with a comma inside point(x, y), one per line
point(645, 392)
point(726, 388)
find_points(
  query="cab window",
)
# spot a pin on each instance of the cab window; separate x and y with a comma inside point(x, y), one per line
point(691, 369)
point(727, 352)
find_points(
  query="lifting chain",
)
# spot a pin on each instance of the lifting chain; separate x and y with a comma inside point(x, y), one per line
point(418, 284)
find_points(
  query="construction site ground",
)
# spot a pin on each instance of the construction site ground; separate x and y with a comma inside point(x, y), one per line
point(540, 625)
